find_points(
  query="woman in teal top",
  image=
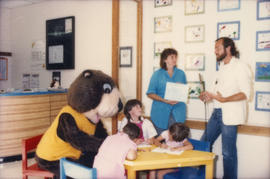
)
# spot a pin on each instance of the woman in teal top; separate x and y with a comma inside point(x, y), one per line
point(165, 112)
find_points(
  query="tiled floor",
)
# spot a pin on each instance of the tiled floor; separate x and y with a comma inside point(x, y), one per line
point(13, 170)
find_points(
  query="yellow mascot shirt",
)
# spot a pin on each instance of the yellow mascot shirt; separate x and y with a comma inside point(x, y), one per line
point(51, 147)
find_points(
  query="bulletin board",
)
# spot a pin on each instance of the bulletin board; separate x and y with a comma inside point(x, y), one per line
point(60, 43)
point(3, 68)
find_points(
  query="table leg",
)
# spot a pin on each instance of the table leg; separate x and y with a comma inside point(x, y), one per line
point(209, 170)
point(131, 174)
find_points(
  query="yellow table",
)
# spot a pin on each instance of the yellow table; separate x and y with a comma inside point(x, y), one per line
point(154, 160)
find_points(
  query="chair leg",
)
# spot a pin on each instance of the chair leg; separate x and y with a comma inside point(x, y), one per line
point(25, 177)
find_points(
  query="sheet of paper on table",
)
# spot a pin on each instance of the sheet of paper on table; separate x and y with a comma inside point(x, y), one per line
point(176, 92)
point(168, 151)
point(144, 145)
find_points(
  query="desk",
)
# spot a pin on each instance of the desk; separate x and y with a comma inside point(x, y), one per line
point(154, 160)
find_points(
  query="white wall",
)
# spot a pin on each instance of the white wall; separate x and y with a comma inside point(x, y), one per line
point(5, 44)
point(93, 37)
point(252, 150)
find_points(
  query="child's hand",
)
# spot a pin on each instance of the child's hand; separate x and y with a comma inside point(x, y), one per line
point(150, 141)
point(139, 141)
point(164, 146)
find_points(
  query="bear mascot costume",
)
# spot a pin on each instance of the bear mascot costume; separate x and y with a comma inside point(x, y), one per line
point(77, 132)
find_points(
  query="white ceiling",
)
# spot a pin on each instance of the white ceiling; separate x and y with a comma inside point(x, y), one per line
point(17, 3)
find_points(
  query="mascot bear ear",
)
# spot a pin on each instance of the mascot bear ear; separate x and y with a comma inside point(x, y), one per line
point(87, 74)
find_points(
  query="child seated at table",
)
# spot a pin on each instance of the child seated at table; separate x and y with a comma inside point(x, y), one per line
point(133, 114)
point(174, 139)
point(115, 149)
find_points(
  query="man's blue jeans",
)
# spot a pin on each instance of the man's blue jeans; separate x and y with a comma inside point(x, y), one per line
point(214, 128)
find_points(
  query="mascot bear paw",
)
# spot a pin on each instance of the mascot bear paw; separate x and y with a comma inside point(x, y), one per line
point(77, 132)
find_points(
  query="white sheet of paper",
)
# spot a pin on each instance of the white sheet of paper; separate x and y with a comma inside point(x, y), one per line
point(176, 92)
point(168, 151)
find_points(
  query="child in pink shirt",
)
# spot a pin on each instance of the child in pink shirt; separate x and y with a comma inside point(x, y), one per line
point(115, 149)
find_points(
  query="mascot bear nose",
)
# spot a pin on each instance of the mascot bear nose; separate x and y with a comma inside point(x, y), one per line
point(120, 105)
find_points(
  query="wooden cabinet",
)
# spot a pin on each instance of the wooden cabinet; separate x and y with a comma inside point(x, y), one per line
point(25, 116)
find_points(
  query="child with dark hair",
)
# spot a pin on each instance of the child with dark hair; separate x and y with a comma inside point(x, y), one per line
point(174, 139)
point(116, 148)
point(133, 114)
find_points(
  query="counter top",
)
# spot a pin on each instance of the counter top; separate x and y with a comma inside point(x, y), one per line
point(21, 92)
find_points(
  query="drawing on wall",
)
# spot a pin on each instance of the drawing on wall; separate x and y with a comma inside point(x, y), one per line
point(194, 7)
point(229, 29)
point(155, 68)
point(194, 89)
point(262, 40)
point(125, 56)
point(160, 46)
point(262, 102)
point(194, 33)
point(161, 3)
point(262, 71)
point(228, 5)
point(263, 9)
point(194, 61)
point(163, 24)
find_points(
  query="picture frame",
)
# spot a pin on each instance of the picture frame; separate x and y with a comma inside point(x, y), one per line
point(263, 9)
point(194, 7)
point(262, 71)
point(262, 102)
point(225, 5)
point(194, 89)
point(262, 40)
point(160, 46)
point(229, 29)
point(162, 3)
point(125, 56)
point(162, 24)
point(3, 68)
point(194, 33)
point(195, 62)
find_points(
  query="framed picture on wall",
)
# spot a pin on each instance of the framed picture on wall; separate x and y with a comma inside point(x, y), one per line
point(194, 62)
point(155, 68)
point(194, 33)
point(162, 3)
point(263, 9)
point(3, 68)
point(194, 7)
point(125, 56)
point(229, 29)
point(160, 46)
point(163, 24)
point(262, 40)
point(225, 5)
point(262, 102)
point(262, 71)
point(194, 89)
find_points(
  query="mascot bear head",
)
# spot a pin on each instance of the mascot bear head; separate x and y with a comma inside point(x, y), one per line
point(94, 94)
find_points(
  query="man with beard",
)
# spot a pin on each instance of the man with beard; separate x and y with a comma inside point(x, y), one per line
point(230, 93)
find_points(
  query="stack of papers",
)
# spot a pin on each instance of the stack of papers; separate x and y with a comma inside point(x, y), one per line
point(168, 151)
